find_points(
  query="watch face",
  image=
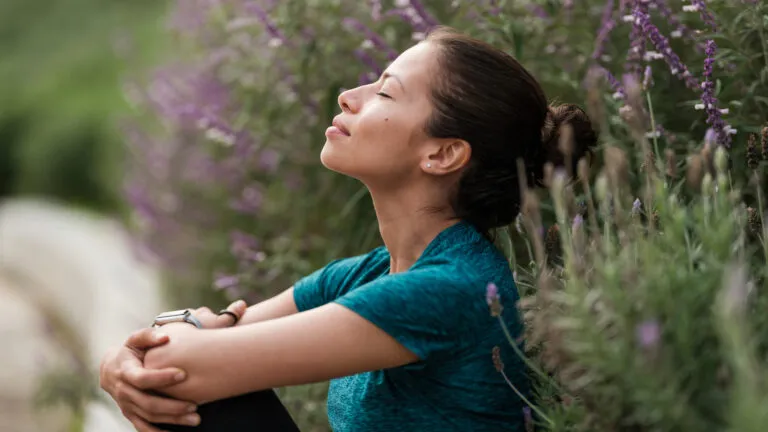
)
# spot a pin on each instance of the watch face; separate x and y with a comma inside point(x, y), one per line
point(177, 313)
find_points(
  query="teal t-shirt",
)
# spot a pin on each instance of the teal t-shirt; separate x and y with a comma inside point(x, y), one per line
point(438, 310)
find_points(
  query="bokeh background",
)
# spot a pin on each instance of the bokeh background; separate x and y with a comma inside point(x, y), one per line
point(164, 154)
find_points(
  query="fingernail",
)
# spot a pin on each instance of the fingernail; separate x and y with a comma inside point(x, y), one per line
point(180, 376)
point(192, 419)
point(240, 303)
point(159, 336)
point(192, 408)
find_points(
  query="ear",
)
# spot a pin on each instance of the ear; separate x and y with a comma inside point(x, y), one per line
point(446, 156)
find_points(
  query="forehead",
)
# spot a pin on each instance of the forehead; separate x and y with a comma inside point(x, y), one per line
point(415, 65)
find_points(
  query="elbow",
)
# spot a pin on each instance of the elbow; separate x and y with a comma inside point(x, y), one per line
point(177, 354)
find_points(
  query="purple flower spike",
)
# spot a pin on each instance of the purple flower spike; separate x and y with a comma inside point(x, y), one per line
point(263, 16)
point(647, 78)
point(368, 61)
point(528, 419)
point(680, 29)
point(637, 42)
point(606, 26)
point(662, 46)
point(425, 16)
point(648, 333)
point(491, 294)
point(378, 42)
point(706, 16)
point(578, 220)
point(719, 127)
point(225, 282)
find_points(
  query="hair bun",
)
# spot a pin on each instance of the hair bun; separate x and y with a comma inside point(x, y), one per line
point(583, 136)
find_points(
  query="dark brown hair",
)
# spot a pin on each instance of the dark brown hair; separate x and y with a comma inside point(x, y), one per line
point(484, 96)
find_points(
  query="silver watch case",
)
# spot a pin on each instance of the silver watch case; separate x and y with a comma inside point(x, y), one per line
point(181, 315)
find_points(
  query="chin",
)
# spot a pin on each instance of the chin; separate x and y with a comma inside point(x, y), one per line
point(332, 159)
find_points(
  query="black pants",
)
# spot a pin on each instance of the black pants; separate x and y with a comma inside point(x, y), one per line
point(260, 411)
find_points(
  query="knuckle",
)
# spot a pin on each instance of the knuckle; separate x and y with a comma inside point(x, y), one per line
point(136, 334)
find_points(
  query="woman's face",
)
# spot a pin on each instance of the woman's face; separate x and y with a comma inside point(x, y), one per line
point(379, 136)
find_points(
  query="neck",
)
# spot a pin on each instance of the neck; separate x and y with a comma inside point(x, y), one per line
point(407, 226)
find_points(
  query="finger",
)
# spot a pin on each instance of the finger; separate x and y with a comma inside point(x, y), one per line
point(188, 419)
point(152, 405)
point(145, 339)
point(143, 378)
point(143, 426)
point(238, 307)
point(226, 320)
point(202, 311)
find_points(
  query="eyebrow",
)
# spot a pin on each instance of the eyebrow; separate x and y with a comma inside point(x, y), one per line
point(386, 75)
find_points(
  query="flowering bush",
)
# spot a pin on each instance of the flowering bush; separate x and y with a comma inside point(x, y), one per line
point(627, 325)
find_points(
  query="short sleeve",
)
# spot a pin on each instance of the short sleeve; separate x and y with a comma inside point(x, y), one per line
point(430, 311)
point(328, 283)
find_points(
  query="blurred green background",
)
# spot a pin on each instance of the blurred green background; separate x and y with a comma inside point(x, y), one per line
point(61, 78)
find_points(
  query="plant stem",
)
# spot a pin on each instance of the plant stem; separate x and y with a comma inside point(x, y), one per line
point(525, 358)
point(522, 396)
point(653, 127)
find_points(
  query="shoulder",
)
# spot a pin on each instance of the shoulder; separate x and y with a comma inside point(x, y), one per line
point(374, 260)
point(338, 277)
point(468, 264)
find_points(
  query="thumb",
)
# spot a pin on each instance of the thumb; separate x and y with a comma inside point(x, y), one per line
point(145, 339)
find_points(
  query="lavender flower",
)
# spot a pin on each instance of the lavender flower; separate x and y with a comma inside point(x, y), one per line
point(706, 16)
point(377, 41)
point(636, 40)
point(647, 78)
point(637, 206)
point(414, 13)
point(493, 299)
point(271, 27)
point(491, 293)
point(661, 44)
point(606, 26)
point(680, 29)
point(709, 102)
point(225, 282)
point(376, 9)
point(578, 221)
point(528, 419)
point(250, 200)
point(618, 89)
point(369, 62)
point(648, 333)
point(422, 12)
point(538, 11)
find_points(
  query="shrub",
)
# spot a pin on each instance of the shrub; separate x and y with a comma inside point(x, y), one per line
point(628, 326)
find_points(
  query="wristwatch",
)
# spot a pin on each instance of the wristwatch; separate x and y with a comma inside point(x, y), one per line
point(181, 315)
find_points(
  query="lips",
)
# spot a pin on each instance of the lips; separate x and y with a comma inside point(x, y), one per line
point(340, 126)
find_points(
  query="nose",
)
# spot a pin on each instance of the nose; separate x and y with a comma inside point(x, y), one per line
point(348, 101)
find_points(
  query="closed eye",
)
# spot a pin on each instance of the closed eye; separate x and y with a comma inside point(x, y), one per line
point(382, 94)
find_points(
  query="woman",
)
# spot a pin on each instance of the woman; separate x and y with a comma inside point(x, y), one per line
point(404, 332)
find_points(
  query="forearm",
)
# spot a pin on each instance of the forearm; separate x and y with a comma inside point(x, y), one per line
point(276, 307)
point(323, 343)
point(219, 363)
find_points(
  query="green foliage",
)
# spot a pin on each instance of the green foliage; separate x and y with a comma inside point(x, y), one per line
point(60, 85)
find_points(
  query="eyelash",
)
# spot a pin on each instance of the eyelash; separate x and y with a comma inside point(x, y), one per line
point(384, 95)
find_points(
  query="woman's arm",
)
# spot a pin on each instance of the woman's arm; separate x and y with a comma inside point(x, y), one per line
point(276, 307)
point(326, 342)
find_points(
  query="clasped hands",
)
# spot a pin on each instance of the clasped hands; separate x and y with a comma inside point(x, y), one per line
point(123, 376)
